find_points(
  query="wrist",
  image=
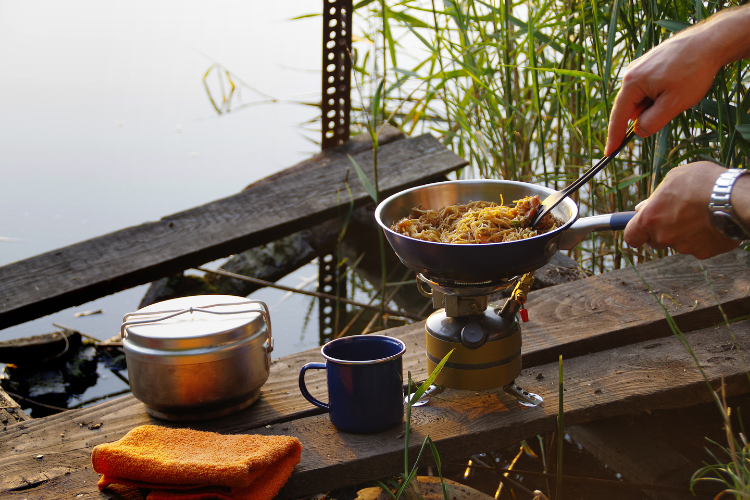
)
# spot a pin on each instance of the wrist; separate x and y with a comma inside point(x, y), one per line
point(741, 198)
point(726, 35)
point(727, 197)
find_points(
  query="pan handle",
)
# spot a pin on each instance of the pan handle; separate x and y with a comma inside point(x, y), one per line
point(582, 227)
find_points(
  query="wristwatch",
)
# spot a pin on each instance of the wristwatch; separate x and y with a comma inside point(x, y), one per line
point(723, 216)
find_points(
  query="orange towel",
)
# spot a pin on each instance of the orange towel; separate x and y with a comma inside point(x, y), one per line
point(183, 464)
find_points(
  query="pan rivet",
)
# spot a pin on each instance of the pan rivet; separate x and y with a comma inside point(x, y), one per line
point(551, 247)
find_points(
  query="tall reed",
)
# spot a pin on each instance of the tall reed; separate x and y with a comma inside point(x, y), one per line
point(523, 90)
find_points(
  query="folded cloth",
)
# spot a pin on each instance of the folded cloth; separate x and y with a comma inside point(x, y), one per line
point(183, 464)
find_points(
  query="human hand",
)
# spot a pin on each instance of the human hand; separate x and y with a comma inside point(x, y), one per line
point(677, 216)
point(663, 83)
point(677, 73)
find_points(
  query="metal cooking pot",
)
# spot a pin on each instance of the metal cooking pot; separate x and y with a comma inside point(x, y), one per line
point(492, 261)
point(200, 357)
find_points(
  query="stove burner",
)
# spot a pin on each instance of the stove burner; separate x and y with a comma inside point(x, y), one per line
point(487, 343)
point(463, 288)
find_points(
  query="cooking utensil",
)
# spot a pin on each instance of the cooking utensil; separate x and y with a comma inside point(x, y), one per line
point(553, 200)
point(483, 263)
point(199, 357)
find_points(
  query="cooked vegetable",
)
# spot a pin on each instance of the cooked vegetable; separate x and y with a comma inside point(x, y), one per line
point(476, 222)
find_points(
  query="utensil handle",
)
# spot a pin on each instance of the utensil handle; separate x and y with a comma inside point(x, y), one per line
point(554, 199)
point(601, 164)
point(582, 227)
point(303, 387)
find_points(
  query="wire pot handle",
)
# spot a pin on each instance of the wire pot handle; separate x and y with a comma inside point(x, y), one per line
point(204, 309)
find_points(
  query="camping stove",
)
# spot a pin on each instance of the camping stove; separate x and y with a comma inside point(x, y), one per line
point(486, 343)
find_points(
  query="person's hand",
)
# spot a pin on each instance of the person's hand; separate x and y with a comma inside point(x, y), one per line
point(677, 214)
point(677, 74)
point(664, 82)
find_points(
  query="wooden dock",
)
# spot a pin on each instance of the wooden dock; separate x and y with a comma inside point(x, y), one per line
point(311, 192)
point(620, 358)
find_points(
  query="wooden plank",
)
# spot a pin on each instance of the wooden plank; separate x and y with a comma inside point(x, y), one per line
point(37, 348)
point(464, 422)
point(661, 447)
point(357, 144)
point(586, 319)
point(617, 308)
point(624, 380)
point(10, 411)
point(261, 213)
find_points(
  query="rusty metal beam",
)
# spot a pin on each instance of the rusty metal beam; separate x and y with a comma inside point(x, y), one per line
point(335, 108)
point(337, 66)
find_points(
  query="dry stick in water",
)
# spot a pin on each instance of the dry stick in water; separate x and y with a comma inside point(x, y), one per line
point(609, 483)
point(305, 292)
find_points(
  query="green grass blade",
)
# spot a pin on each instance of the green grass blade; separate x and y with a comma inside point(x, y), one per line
point(672, 26)
point(364, 180)
point(427, 383)
point(560, 429)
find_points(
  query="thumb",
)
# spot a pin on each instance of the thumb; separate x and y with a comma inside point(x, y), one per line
point(634, 234)
point(654, 118)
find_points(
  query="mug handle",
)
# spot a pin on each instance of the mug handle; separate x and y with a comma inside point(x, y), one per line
point(303, 387)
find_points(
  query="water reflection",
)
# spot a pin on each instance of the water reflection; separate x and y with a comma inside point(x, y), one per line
point(105, 121)
point(105, 118)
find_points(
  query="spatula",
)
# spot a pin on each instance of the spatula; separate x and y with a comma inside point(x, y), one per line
point(554, 199)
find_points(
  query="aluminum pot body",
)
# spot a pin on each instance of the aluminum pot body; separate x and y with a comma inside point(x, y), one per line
point(198, 364)
point(491, 261)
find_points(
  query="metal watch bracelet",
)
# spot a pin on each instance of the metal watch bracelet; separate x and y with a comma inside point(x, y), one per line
point(723, 215)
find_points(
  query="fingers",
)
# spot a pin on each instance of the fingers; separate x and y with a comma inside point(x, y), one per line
point(634, 233)
point(618, 123)
point(654, 117)
point(628, 106)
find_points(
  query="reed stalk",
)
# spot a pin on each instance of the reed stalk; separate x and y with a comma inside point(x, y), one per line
point(523, 91)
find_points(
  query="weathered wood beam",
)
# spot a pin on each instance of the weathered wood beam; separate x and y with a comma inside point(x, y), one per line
point(306, 194)
point(620, 307)
point(661, 447)
point(640, 377)
point(10, 411)
point(573, 319)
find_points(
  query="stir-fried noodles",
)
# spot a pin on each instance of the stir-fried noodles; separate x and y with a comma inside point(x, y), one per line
point(476, 222)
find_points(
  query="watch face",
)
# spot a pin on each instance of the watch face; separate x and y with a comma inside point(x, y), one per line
point(727, 226)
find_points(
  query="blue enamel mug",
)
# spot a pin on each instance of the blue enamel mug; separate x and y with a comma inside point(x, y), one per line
point(365, 382)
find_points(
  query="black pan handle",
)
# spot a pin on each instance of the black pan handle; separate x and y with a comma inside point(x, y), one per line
point(585, 225)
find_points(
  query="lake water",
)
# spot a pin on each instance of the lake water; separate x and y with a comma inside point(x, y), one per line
point(105, 123)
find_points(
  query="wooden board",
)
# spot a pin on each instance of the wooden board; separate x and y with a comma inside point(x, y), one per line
point(620, 381)
point(39, 347)
point(643, 376)
point(261, 213)
point(10, 411)
point(618, 308)
point(660, 447)
point(588, 327)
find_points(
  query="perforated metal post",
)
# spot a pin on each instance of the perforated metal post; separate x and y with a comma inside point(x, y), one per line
point(335, 108)
point(329, 273)
point(337, 66)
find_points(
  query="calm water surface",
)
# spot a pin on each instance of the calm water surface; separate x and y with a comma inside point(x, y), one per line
point(105, 123)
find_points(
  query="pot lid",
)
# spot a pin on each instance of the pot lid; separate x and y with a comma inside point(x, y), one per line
point(200, 321)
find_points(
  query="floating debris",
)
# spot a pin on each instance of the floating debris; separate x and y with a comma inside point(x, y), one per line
point(87, 313)
point(45, 383)
point(38, 348)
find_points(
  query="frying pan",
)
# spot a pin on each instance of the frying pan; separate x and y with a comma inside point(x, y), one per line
point(480, 263)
